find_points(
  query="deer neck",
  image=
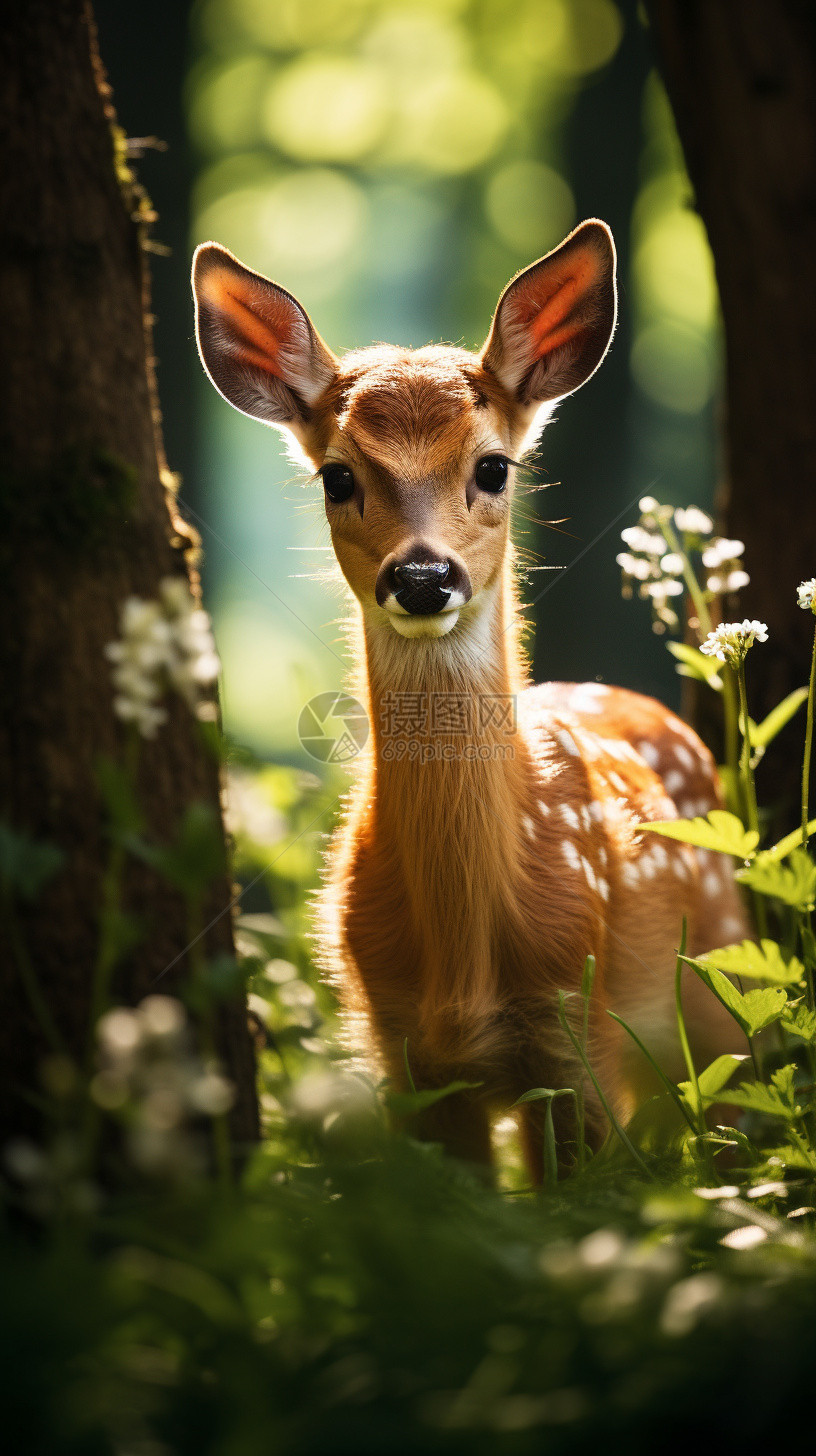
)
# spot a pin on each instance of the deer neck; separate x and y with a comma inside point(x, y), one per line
point(446, 788)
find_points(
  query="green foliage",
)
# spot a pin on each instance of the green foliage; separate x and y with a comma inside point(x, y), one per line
point(754, 1011)
point(757, 962)
point(761, 734)
point(694, 664)
point(794, 882)
point(719, 830)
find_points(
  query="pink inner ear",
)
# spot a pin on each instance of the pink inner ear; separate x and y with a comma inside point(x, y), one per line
point(543, 319)
point(258, 339)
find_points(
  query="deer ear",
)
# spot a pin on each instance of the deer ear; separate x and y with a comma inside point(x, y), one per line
point(555, 321)
point(256, 342)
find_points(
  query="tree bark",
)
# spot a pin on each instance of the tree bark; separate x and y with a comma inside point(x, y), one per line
point(741, 78)
point(87, 520)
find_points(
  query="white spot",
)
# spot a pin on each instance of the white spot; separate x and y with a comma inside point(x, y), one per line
point(596, 812)
point(733, 926)
point(603, 857)
point(542, 807)
point(567, 742)
point(569, 816)
point(589, 873)
point(585, 699)
point(712, 883)
point(648, 868)
point(618, 783)
point(674, 781)
point(570, 854)
point(631, 873)
point(684, 757)
point(660, 856)
point(528, 825)
point(649, 752)
point(603, 889)
point(585, 817)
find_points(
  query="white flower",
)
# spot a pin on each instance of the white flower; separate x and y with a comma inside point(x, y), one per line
point(672, 563)
point(164, 643)
point(731, 582)
point(722, 550)
point(664, 588)
point(731, 640)
point(693, 522)
point(806, 595)
point(638, 567)
point(648, 542)
point(647, 505)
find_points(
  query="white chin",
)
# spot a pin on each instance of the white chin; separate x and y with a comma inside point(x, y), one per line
point(436, 626)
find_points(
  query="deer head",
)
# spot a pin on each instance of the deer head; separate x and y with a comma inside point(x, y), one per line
point(416, 448)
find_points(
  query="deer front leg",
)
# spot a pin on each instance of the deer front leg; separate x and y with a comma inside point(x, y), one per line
point(461, 1124)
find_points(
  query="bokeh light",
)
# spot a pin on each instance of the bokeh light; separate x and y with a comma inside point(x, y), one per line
point(393, 163)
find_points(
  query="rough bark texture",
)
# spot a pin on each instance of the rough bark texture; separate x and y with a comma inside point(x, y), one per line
point(742, 81)
point(85, 521)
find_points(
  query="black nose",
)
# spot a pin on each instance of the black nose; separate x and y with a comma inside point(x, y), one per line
point(419, 589)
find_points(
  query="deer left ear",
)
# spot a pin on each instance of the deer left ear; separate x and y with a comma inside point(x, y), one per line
point(555, 321)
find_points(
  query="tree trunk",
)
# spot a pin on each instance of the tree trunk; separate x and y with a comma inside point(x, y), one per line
point(742, 82)
point(87, 520)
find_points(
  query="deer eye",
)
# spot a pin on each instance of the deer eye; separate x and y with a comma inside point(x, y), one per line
point(338, 482)
point(491, 473)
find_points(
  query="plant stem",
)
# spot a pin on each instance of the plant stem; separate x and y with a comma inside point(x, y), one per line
point(732, 739)
point(613, 1121)
point(808, 746)
point(694, 589)
point(706, 625)
point(749, 788)
point(683, 1034)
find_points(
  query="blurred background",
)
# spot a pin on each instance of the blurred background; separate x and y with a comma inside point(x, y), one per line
point(393, 163)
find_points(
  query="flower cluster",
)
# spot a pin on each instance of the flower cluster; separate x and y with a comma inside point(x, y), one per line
point(654, 562)
point(722, 562)
point(151, 1076)
point(164, 643)
point(806, 595)
point(731, 640)
point(650, 564)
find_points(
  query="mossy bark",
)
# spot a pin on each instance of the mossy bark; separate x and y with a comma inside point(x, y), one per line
point(86, 519)
point(742, 83)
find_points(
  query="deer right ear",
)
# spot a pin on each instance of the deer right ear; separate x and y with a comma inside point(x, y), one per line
point(256, 342)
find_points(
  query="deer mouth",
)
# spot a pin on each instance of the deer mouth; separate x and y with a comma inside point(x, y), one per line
point(431, 624)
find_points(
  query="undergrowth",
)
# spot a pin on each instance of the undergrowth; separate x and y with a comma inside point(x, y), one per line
point(343, 1288)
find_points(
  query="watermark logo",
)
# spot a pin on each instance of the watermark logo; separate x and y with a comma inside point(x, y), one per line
point(333, 727)
point(445, 727)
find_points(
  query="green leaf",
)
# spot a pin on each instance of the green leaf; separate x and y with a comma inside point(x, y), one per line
point(541, 1094)
point(791, 841)
point(763, 962)
point(404, 1104)
point(762, 734)
point(801, 1022)
point(710, 1082)
point(719, 1072)
point(754, 1011)
point(26, 864)
point(719, 830)
point(774, 1100)
point(695, 664)
point(794, 883)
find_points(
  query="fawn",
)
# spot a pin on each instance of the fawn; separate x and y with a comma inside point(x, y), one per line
point(487, 854)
